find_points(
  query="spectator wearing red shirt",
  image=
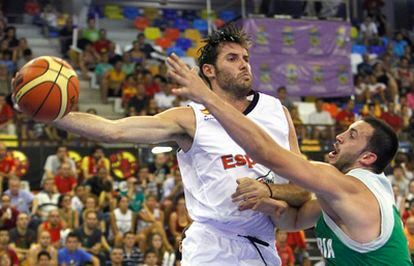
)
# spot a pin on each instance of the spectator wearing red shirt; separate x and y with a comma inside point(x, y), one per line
point(6, 117)
point(151, 87)
point(102, 44)
point(346, 116)
point(392, 118)
point(8, 213)
point(65, 180)
point(285, 252)
point(7, 255)
point(54, 225)
point(7, 166)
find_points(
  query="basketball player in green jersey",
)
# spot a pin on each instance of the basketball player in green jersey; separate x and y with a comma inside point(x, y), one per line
point(359, 224)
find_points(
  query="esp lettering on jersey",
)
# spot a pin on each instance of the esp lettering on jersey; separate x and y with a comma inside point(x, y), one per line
point(231, 161)
point(325, 247)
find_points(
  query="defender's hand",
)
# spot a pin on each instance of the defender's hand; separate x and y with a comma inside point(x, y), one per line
point(271, 207)
point(194, 86)
point(249, 192)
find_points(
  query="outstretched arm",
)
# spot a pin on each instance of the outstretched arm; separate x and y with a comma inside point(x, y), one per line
point(320, 178)
point(166, 126)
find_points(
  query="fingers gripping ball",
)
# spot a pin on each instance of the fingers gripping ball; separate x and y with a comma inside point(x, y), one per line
point(46, 88)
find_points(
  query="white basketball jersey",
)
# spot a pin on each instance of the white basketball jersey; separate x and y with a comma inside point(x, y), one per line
point(213, 164)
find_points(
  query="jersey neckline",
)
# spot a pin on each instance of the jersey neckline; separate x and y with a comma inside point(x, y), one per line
point(253, 103)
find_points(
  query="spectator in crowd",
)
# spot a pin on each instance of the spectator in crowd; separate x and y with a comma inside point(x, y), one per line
point(368, 30)
point(150, 258)
point(404, 75)
point(112, 81)
point(375, 90)
point(90, 235)
point(284, 250)
point(44, 259)
point(102, 44)
point(68, 215)
point(140, 99)
point(179, 219)
point(132, 254)
point(43, 245)
point(96, 184)
point(150, 213)
point(27, 56)
point(7, 166)
point(7, 255)
point(164, 98)
point(408, 213)
point(163, 252)
point(91, 203)
point(7, 125)
point(71, 254)
point(102, 68)
point(385, 77)
point(90, 33)
point(136, 196)
point(8, 213)
point(392, 118)
point(49, 18)
point(20, 198)
point(282, 96)
point(136, 55)
point(88, 59)
point(346, 116)
point(79, 198)
point(46, 200)
point(21, 237)
point(117, 257)
point(128, 67)
point(398, 178)
point(10, 37)
point(399, 44)
point(5, 78)
point(129, 89)
point(54, 161)
point(173, 185)
point(122, 220)
point(92, 162)
point(147, 48)
point(65, 37)
point(151, 87)
point(365, 67)
point(409, 233)
point(54, 225)
point(409, 197)
point(321, 122)
point(65, 180)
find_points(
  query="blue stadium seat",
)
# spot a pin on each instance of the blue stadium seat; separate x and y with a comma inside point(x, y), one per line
point(190, 15)
point(181, 24)
point(377, 49)
point(130, 12)
point(227, 15)
point(201, 25)
point(177, 50)
point(183, 43)
point(359, 49)
point(169, 14)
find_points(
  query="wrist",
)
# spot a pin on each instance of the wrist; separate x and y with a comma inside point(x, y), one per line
point(269, 188)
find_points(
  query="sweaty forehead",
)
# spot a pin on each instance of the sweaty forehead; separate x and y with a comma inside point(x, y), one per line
point(232, 48)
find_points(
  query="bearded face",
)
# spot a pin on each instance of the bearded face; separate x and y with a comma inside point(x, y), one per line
point(238, 85)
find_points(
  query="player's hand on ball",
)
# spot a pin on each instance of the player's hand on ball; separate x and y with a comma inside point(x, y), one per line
point(249, 192)
point(271, 207)
point(193, 86)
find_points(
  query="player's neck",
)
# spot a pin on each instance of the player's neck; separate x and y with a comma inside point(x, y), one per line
point(238, 103)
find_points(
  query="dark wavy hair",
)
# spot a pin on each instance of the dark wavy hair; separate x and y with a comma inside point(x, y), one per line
point(383, 142)
point(229, 34)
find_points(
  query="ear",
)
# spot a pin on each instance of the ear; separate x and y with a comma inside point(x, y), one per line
point(368, 158)
point(209, 71)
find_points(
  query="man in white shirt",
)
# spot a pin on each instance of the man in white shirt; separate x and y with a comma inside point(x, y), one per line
point(321, 121)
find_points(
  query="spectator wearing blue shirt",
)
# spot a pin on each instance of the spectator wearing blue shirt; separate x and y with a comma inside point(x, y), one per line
point(20, 199)
point(73, 255)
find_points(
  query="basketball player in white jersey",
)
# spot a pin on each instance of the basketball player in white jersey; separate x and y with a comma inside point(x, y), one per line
point(210, 161)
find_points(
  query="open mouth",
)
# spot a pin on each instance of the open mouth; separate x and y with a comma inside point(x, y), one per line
point(335, 152)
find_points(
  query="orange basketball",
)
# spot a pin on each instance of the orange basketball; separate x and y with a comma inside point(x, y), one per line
point(46, 88)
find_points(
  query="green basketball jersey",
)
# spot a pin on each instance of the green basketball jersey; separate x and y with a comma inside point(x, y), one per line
point(390, 248)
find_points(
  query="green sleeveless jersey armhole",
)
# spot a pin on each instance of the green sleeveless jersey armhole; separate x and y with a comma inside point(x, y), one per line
point(335, 252)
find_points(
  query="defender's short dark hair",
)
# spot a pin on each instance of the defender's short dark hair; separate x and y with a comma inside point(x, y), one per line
point(228, 34)
point(383, 142)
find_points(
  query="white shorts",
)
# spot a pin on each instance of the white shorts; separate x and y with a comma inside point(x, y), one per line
point(207, 246)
